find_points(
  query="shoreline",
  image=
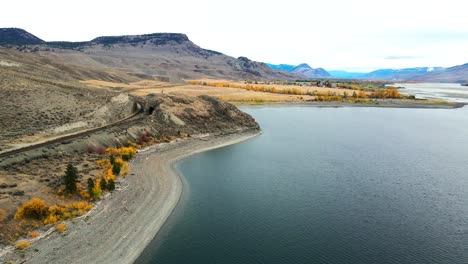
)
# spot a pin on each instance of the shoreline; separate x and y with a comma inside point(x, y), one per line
point(120, 227)
point(381, 104)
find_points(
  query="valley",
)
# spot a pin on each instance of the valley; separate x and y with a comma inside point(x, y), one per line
point(81, 119)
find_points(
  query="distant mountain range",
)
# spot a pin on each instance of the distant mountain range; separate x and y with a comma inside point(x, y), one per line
point(167, 56)
point(172, 56)
point(302, 69)
point(457, 74)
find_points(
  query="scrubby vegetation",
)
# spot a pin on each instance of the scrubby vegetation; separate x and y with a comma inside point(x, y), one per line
point(33, 234)
point(75, 192)
point(21, 245)
point(37, 209)
point(61, 227)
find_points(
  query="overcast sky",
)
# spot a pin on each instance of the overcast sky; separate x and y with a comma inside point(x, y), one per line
point(334, 34)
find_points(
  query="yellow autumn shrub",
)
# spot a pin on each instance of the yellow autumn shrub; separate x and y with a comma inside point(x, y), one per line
point(61, 227)
point(67, 211)
point(22, 244)
point(97, 189)
point(127, 153)
point(112, 151)
point(35, 208)
point(125, 170)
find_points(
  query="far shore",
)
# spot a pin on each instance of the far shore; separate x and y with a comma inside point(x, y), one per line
point(388, 103)
point(119, 228)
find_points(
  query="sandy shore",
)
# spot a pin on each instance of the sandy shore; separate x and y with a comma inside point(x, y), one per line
point(119, 228)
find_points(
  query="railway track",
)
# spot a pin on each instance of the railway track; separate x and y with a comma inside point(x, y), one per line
point(135, 117)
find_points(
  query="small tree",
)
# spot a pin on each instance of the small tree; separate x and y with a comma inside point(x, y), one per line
point(70, 178)
point(103, 184)
point(90, 186)
point(116, 167)
point(111, 185)
point(112, 159)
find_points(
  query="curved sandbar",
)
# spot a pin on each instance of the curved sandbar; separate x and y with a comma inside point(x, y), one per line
point(120, 227)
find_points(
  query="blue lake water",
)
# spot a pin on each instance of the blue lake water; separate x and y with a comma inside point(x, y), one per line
point(327, 185)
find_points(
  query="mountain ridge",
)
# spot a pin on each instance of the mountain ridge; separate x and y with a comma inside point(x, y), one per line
point(302, 69)
point(458, 74)
point(170, 56)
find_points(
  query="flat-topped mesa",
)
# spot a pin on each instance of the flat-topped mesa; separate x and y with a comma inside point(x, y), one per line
point(155, 39)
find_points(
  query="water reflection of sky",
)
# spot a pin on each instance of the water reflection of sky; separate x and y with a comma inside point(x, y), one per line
point(446, 91)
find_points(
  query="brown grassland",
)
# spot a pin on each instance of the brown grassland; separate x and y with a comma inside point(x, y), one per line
point(243, 92)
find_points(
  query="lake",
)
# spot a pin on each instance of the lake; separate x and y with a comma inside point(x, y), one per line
point(327, 185)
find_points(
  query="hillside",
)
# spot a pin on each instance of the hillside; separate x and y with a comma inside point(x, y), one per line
point(302, 70)
point(458, 74)
point(17, 36)
point(42, 98)
point(161, 56)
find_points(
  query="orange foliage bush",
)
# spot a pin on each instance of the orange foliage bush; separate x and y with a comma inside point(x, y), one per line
point(35, 208)
point(61, 227)
point(33, 234)
point(22, 244)
point(391, 93)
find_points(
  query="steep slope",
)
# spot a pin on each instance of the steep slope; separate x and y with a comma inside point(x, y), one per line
point(43, 98)
point(167, 56)
point(302, 70)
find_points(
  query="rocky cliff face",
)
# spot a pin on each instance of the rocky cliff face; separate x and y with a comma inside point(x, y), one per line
point(192, 115)
point(154, 39)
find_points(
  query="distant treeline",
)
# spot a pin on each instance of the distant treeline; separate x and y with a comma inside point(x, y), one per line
point(391, 93)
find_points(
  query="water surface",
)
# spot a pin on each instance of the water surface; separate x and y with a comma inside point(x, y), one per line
point(325, 185)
